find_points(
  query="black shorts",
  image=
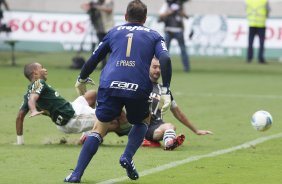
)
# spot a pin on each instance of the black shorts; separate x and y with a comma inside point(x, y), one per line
point(154, 124)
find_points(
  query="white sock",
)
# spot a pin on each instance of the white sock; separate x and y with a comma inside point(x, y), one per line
point(168, 136)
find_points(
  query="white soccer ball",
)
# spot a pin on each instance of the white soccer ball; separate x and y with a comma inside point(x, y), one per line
point(261, 120)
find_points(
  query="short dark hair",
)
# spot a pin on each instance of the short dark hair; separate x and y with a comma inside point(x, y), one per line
point(28, 70)
point(136, 11)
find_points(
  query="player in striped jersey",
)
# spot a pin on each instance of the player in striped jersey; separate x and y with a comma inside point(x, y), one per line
point(158, 129)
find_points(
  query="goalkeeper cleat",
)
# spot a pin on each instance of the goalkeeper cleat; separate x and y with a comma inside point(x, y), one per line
point(130, 167)
point(171, 145)
point(72, 178)
point(153, 144)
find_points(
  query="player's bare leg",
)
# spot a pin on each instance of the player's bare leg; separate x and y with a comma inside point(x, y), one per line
point(90, 97)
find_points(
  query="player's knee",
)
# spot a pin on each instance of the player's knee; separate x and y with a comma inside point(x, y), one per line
point(90, 97)
point(158, 134)
point(169, 126)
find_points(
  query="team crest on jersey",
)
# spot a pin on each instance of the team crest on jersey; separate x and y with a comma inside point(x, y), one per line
point(155, 104)
point(155, 96)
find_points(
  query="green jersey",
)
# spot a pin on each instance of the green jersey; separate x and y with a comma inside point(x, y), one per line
point(49, 101)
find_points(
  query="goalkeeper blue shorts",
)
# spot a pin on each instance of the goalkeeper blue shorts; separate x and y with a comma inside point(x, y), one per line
point(109, 107)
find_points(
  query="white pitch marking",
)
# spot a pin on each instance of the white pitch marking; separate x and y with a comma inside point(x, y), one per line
point(196, 157)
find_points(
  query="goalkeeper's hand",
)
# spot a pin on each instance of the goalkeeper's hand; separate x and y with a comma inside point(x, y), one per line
point(80, 85)
point(165, 99)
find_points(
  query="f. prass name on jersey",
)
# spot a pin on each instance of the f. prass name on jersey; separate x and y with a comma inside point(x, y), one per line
point(125, 63)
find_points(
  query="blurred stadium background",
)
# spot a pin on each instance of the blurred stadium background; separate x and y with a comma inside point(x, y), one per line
point(220, 26)
point(228, 7)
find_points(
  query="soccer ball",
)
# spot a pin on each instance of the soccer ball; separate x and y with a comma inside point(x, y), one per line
point(261, 120)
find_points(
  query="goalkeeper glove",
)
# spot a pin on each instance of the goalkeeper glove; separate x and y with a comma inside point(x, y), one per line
point(80, 85)
point(165, 99)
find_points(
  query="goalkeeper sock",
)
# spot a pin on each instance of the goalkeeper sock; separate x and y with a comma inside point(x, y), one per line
point(88, 150)
point(169, 135)
point(135, 139)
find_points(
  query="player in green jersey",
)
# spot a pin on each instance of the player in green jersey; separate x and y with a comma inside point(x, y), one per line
point(40, 98)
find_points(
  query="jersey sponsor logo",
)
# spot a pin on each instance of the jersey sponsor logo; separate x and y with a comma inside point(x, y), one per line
point(124, 85)
point(125, 63)
point(133, 28)
point(59, 120)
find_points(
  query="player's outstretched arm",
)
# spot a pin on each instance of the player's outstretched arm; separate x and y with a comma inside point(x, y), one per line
point(180, 116)
point(98, 55)
point(19, 126)
point(90, 65)
point(166, 69)
point(166, 72)
point(32, 105)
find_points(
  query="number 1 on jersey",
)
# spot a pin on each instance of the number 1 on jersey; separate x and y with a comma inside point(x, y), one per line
point(129, 44)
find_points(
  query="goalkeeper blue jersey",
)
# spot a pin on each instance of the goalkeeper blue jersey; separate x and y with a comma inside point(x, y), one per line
point(131, 47)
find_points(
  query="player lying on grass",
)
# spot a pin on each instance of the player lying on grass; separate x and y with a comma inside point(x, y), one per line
point(158, 129)
point(40, 98)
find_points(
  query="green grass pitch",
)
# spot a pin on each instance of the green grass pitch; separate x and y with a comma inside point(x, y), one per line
point(219, 94)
